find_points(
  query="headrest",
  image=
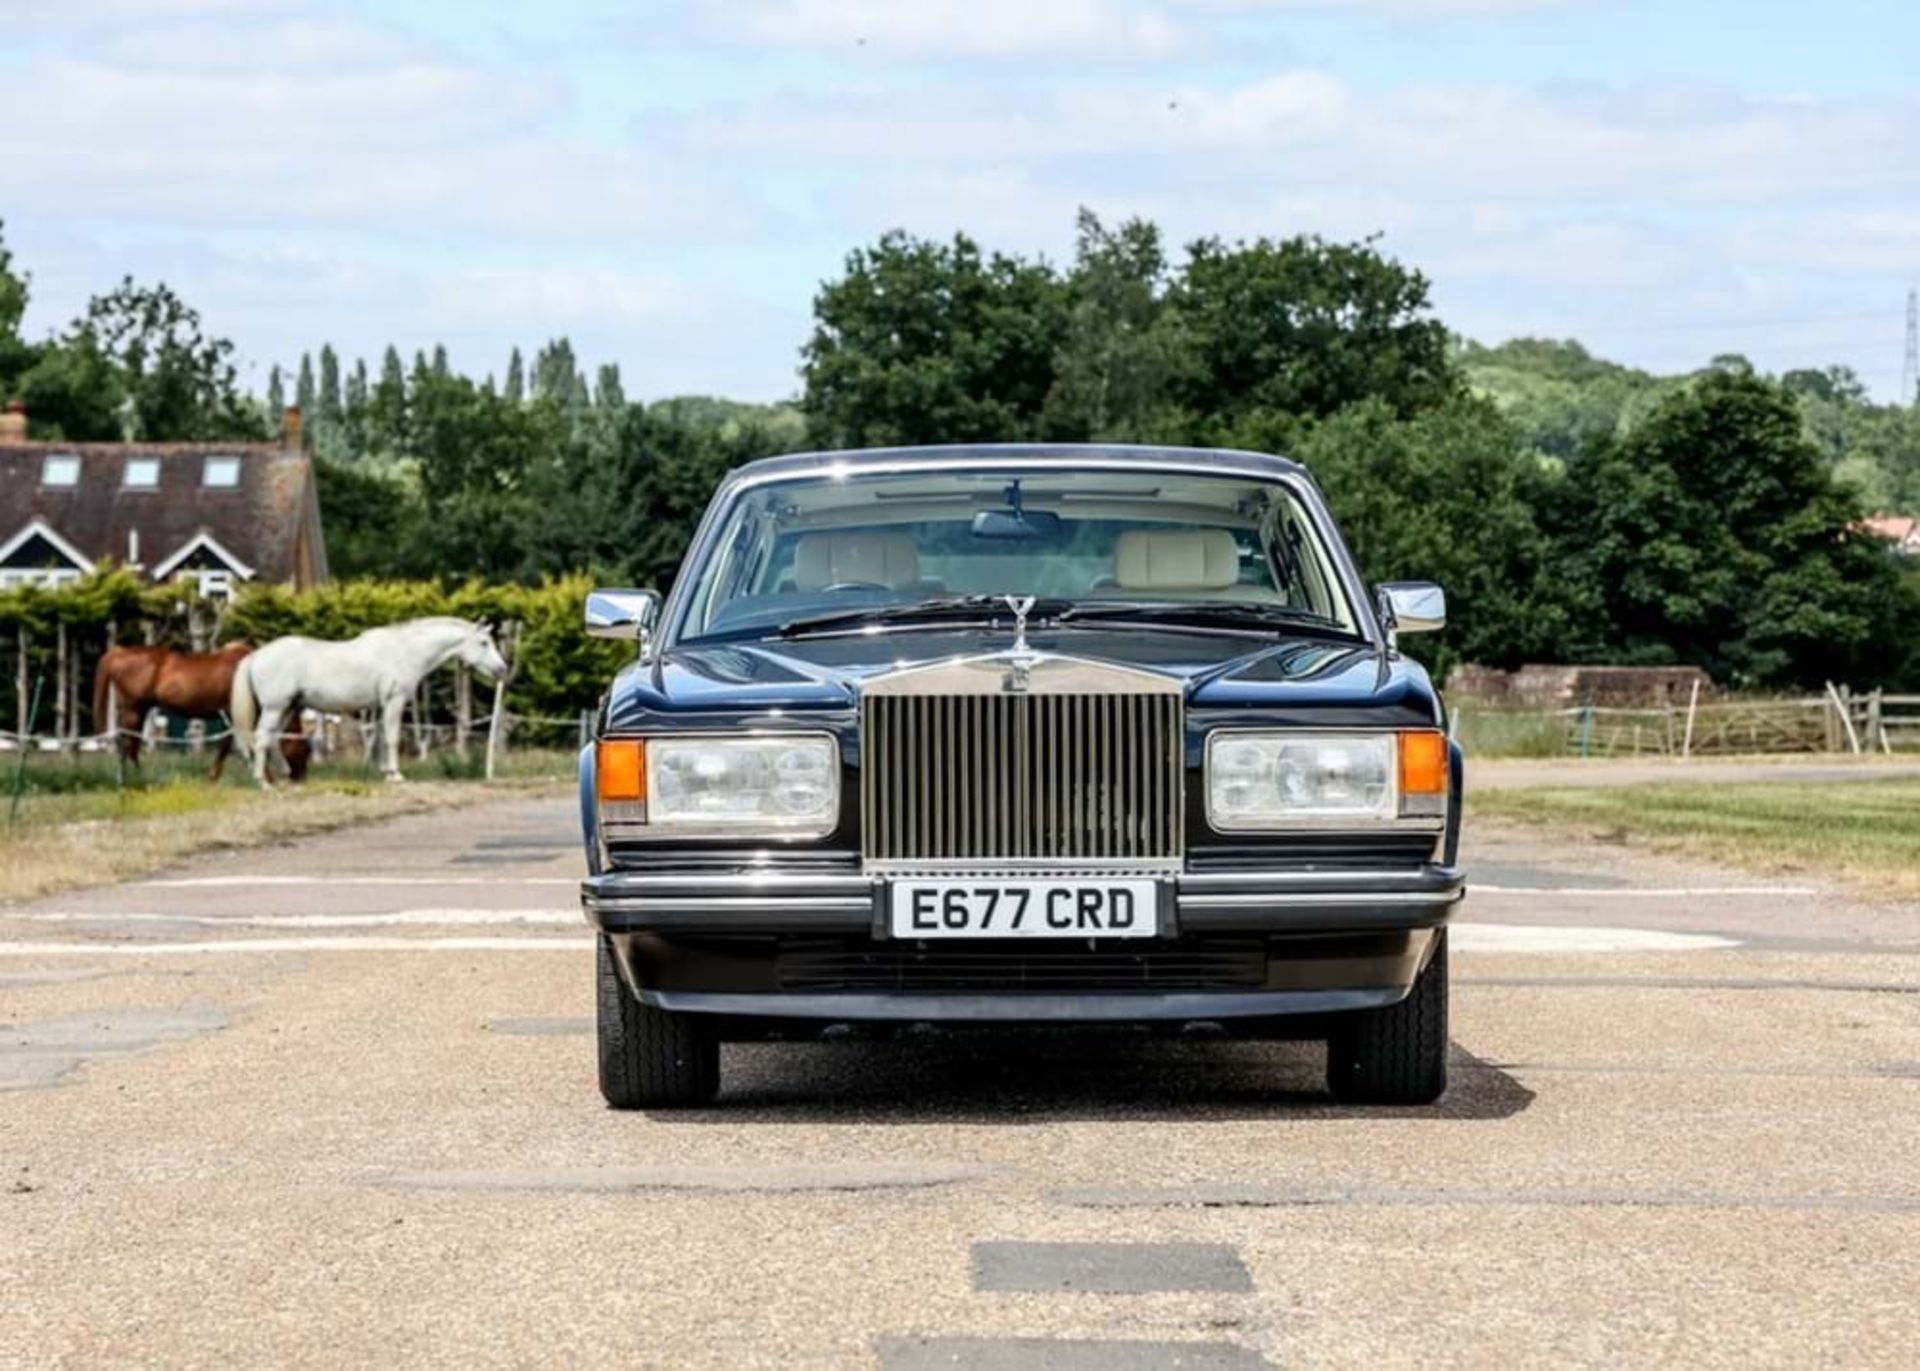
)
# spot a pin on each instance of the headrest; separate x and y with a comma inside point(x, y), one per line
point(1176, 559)
point(830, 559)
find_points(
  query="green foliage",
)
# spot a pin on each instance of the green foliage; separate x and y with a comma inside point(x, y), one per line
point(1300, 328)
point(1557, 395)
point(1713, 535)
point(924, 342)
point(1122, 350)
point(1448, 496)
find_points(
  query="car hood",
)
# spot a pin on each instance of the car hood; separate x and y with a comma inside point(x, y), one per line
point(1220, 671)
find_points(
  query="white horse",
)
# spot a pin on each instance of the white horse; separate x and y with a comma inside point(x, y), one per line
point(379, 669)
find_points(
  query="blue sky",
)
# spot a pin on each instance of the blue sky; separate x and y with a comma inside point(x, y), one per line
point(669, 183)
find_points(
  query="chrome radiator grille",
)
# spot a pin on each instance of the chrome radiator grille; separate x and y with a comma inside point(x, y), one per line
point(988, 777)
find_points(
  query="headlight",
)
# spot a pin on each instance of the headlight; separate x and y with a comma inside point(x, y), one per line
point(1283, 780)
point(780, 785)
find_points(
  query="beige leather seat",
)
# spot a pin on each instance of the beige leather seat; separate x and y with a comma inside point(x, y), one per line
point(1175, 559)
point(830, 559)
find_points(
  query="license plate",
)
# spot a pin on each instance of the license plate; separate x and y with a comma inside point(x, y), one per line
point(1024, 909)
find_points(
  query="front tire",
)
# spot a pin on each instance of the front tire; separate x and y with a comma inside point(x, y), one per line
point(650, 1058)
point(1396, 1055)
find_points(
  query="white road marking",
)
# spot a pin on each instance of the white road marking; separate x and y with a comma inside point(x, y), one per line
point(1466, 937)
point(1640, 892)
point(399, 918)
point(269, 946)
point(223, 882)
point(1477, 937)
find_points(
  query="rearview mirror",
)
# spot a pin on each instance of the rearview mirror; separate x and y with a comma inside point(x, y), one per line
point(622, 614)
point(1016, 523)
point(1412, 606)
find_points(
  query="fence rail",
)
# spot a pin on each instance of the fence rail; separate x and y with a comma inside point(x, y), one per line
point(1837, 720)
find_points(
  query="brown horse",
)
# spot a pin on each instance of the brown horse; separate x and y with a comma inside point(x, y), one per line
point(195, 685)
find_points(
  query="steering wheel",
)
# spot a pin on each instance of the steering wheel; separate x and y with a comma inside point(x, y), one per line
point(839, 586)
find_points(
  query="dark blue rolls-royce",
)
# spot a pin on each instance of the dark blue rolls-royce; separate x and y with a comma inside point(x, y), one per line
point(1020, 735)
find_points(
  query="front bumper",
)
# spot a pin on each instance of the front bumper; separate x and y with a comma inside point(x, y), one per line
point(777, 901)
point(812, 946)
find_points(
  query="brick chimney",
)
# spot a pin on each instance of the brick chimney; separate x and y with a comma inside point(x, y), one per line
point(13, 423)
point(291, 437)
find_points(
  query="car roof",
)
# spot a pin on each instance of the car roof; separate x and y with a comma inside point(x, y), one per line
point(1119, 456)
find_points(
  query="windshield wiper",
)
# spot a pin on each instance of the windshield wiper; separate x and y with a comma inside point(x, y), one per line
point(1205, 614)
point(939, 610)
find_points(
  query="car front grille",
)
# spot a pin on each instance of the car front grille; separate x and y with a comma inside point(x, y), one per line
point(829, 964)
point(1008, 777)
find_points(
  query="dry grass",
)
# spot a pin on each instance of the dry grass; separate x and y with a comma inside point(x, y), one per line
point(1864, 831)
point(96, 837)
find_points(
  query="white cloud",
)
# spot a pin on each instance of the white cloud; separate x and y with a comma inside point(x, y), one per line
point(955, 28)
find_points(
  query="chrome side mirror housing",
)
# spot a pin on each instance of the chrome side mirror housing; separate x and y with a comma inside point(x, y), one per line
point(1412, 606)
point(622, 614)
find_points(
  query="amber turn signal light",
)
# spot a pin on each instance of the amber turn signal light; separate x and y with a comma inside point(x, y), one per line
point(620, 769)
point(1423, 767)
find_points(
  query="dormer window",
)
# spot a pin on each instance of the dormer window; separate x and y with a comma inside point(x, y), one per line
point(141, 473)
point(220, 473)
point(60, 471)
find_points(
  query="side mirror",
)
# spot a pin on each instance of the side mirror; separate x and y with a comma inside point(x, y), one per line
point(622, 614)
point(1412, 606)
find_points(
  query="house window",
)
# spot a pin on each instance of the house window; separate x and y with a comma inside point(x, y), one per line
point(141, 473)
point(220, 473)
point(60, 471)
point(215, 585)
point(37, 576)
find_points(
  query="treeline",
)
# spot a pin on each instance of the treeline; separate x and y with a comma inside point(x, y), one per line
point(1701, 523)
point(1575, 510)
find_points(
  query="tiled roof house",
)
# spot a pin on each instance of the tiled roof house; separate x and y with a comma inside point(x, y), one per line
point(221, 513)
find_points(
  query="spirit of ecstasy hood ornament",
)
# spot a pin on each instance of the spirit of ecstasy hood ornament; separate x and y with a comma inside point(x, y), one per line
point(1020, 660)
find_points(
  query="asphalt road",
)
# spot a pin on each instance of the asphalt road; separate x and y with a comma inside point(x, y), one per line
point(333, 1104)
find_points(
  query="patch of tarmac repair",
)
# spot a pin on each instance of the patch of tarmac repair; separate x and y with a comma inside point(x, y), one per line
point(1108, 1267)
point(724, 1179)
point(540, 1028)
point(1063, 1354)
point(40, 1054)
point(1234, 1196)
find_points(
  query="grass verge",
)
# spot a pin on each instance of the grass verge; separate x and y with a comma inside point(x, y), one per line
point(91, 837)
point(1865, 831)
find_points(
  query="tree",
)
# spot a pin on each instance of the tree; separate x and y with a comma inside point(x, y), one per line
point(305, 394)
point(440, 366)
point(607, 390)
point(177, 384)
point(1448, 496)
point(516, 389)
point(327, 401)
point(355, 410)
point(1121, 350)
point(924, 342)
point(276, 393)
point(17, 356)
point(1301, 328)
point(387, 413)
point(1714, 535)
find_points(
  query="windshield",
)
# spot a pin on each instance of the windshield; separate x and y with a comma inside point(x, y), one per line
point(841, 548)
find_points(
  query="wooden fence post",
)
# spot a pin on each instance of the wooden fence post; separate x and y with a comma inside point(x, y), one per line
point(1693, 708)
point(497, 723)
point(462, 708)
point(60, 680)
point(20, 686)
point(1876, 726)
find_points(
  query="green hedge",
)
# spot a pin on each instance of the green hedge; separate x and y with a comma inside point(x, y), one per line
point(558, 670)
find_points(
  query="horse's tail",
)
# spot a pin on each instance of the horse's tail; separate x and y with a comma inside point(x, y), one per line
point(243, 709)
point(102, 686)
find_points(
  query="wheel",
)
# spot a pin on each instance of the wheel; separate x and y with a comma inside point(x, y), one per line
point(1396, 1055)
point(649, 1058)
